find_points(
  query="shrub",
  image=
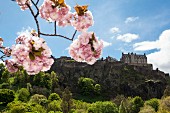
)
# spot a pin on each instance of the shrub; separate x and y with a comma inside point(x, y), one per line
point(118, 99)
point(147, 109)
point(103, 107)
point(137, 102)
point(6, 95)
point(17, 107)
point(54, 96)
point(165, 104)
point(126, 105)
point(5, 86)
point(87, 86)
point(54, 106)
point(153, 103)
point(67, 101)
point(39, 99)
point(23, 94)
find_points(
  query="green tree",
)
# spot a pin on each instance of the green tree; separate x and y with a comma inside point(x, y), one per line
point(103, 107)
point(67, 102)
point(88, 87)
point(154, 103)
point(23, 94)
point(54, 96)
point(6, 95)
point(137, 102)
point(122, 108)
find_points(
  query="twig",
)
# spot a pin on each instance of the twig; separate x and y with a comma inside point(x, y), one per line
point(56, 35)
point(74, 35)
point(35, 4)
point(55, 30)
point(35, 18)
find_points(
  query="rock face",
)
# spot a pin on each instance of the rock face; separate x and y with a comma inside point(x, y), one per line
point(114, 77)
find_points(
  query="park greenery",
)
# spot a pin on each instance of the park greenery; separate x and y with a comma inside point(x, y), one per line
point(42, 93)
point(27, 85)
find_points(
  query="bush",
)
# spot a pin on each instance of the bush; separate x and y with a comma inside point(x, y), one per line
point(126, 105)
point(153, 103)
point(17, 107)
point(147, 109)
point(87, 86)
point(5, 86)
point(118, 99)
point(23, 94)
point(39, 99)
point(54, 106)
point(137, 102)
point(54, 96)
point(165, 104)
point(6, 95)
point(103, 107)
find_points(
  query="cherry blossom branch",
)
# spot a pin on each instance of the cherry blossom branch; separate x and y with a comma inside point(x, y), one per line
point(55, 30)
point(58, 36)
point(37, 2)
point(35, 18)
point(38, 26)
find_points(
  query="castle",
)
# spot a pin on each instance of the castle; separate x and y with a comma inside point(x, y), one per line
point(134, 59)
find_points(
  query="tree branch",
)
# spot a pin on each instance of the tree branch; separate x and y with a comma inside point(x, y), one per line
point(55, 30)
point(35, 18)
point(56, 35)
point(35, 4)
point(74, 35)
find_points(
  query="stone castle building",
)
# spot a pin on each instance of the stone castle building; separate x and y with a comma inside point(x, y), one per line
point(134, 59)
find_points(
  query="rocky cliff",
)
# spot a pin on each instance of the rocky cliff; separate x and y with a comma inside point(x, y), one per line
point(114, 77)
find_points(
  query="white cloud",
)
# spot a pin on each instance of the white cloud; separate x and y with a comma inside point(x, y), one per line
point(128, 37)
point(146, 45)
point(161, 58)
point(115, 30)
point(106, 44)
point(131, 19)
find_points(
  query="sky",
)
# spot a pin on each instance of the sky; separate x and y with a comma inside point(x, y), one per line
point(138, 26)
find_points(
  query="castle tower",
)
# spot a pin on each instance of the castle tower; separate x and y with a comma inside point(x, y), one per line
point(134, 59)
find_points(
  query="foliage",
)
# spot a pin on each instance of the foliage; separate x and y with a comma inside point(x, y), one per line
point(118, 99)
point(39, 99)
point(166, 92)
point(103, 107)
point(67, 102)
point(54, 96)
point(87, 86)
point(6, 95)
point(54, 106)
point(122, 108)
point(147, 109)
point(17, 107)
point(137, 102)
point(23, 94)
point(4, 85)
point(154, 103)
point(165, 104)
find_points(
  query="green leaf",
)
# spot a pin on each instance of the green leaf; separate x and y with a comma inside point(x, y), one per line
point(31, 56)
point(37, 53)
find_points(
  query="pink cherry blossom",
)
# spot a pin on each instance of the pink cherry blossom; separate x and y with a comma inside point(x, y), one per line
point(11, 66)
point(61, 15)
point(82, 23)
point(32, 53)
point(86, 48)
point(7, 51)
point(1, 42)
point(23, 4)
